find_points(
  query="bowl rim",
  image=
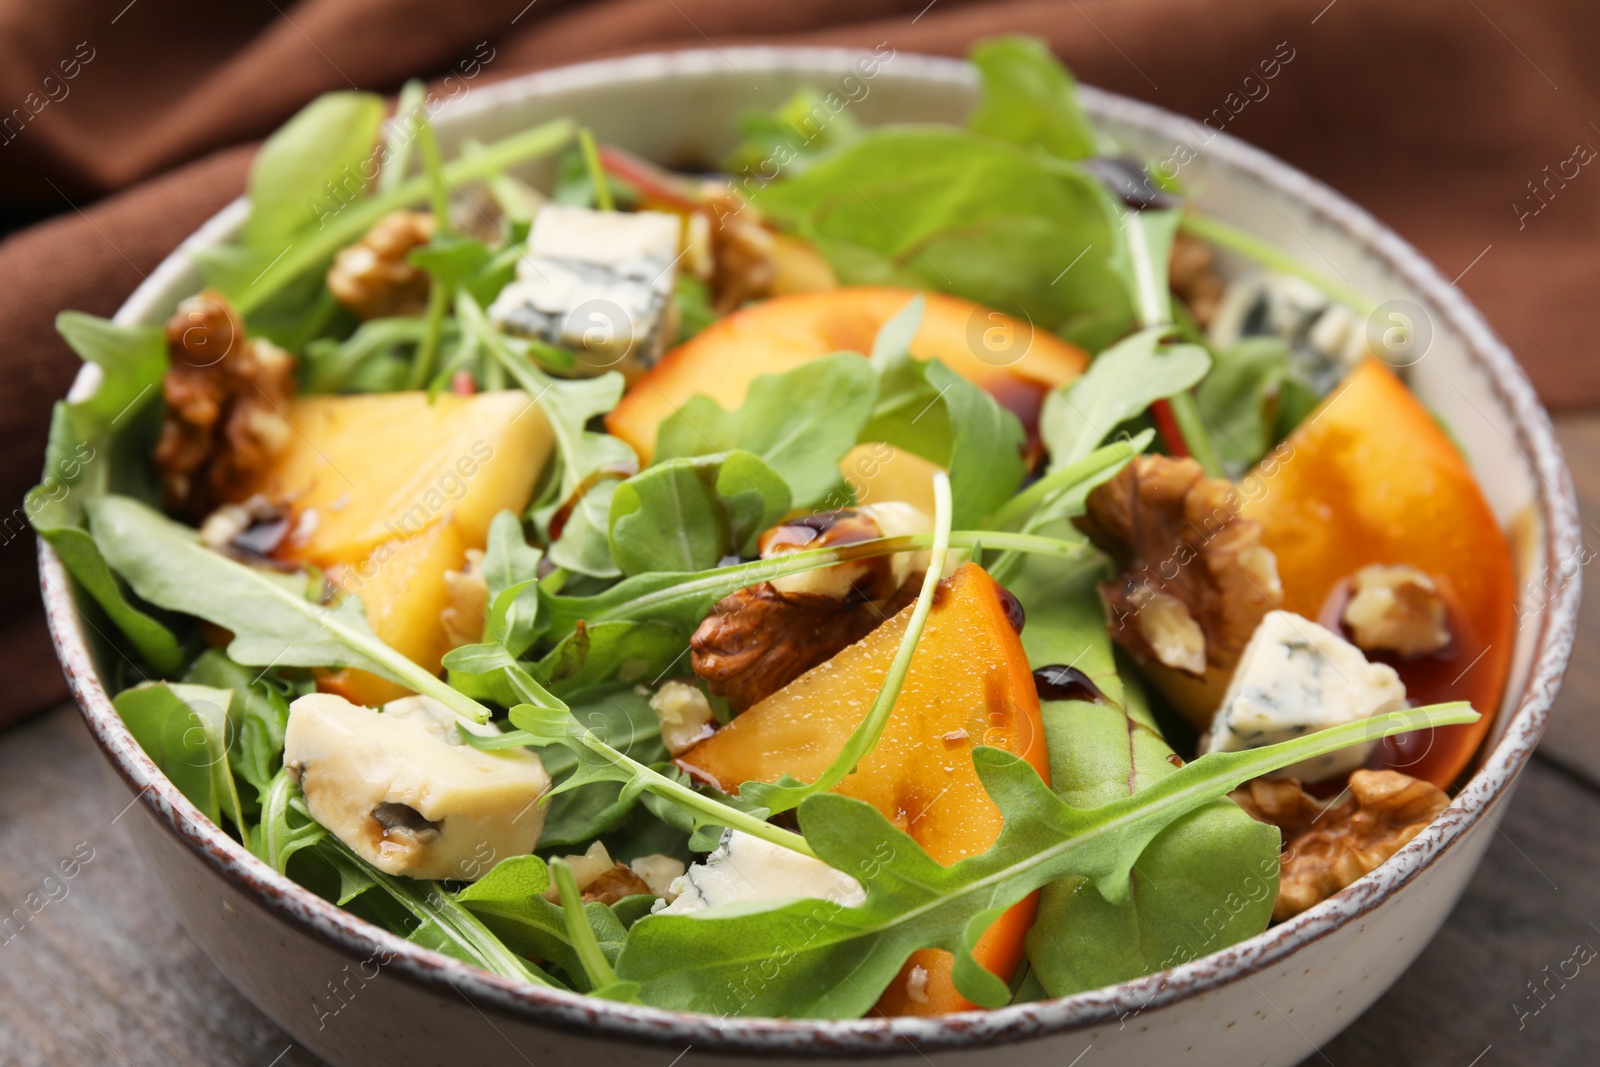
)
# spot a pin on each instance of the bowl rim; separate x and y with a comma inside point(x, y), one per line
point(1489, 785)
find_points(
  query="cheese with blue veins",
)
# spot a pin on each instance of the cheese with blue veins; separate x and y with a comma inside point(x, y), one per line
point(1294, 678)
point(597, 282)
point(745, 869)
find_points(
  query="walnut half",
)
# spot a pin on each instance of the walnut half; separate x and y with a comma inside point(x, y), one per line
point(1327, 847)
point(225, 396)
point(373, 278)
point(1195, 579)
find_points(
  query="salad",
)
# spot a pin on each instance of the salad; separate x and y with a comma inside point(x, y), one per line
point(894, 570)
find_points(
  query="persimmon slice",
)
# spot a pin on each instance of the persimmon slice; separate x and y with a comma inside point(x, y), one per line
point(1370, 477)
point(969, 684)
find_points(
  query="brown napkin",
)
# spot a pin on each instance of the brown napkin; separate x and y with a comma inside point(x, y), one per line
point(131, 124)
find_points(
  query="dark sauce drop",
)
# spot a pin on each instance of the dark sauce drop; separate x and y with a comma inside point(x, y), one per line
point(1129, 182)
point(1012, 607)
point(1060, 682)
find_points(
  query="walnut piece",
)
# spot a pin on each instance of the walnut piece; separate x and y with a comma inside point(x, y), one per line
point(373, 278)
point(758, 640)
point(761, 638)
point(225, 398)
point(601, 879)
point(1326, 848)
point(1192, 269)
point(740, 248)
point(1396, 609)
point(1191, 568)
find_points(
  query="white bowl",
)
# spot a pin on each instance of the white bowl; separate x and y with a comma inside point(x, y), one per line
point(357, 995)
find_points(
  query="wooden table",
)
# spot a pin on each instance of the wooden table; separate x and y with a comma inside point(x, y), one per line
point(103, 974)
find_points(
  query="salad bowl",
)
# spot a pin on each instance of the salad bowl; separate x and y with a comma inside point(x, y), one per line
point(355, 994)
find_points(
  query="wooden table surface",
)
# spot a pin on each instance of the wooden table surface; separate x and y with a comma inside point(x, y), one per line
point(75, 976)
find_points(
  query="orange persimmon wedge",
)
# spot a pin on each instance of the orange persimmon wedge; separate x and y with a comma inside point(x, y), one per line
point(1370, 477)
point(386, 492)
point(969, 684)
point(1006, 356)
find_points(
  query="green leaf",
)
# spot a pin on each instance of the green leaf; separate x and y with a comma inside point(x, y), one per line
point(439, 920)
point(315, 164)
point(1029, 98)
point(184, 730)
point(1121, 383)
point(585, 946)
point(689, 514)
point(272, 622)
point(786, 140)
point(932, 207)
point(1239, 400)
point(817, 959)
point(511, 571)
point(925, 407)
point(1206, 881)
point(257, 716)
point(625, 650)
point(510, 901)
point(600, 762)
point(801, 422)
point(82, 459)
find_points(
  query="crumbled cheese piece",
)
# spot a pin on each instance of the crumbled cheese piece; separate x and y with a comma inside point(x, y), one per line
point(402, 789)
point(1396, 609)
point(745, 869)
point(1295, 678)
point(917, 985)
point(685, 715)
point(597, 282)
point(659, 872)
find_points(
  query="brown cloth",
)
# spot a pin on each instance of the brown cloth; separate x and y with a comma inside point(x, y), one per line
point(1453, 120)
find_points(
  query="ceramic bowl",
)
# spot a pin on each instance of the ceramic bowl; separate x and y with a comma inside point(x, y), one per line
point(357, 995)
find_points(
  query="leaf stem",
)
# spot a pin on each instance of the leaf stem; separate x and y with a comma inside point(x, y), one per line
point(1235, 240)
point(580, 935)
point(597, 173)
point(1031, 498)
point(864, 738)
point(353, 221)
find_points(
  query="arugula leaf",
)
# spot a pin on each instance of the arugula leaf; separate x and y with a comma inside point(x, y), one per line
point(589, 461)
point(788, 792)
point(689, 514)
point(271, 621)
point(1241, 397)
point(600, 762)
point(285, 827)
point(257, 717)
point(368, 360)
point(441, 921)
point(931, 207)
point(184, 730)
point(1206, 881)
point(817, 959)
point(801, 422)
point(510, 902)
point(1029, 98)
point(1121, 383)
point(324, 147)
point(925, 407)
point(623, 650)
point(789, 138)
point(510, 570)
point(81, 462)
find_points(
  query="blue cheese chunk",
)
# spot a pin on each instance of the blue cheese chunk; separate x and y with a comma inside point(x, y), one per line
point(403, 790)
point(597, 282)
point(746, 869)
point(1295, 678)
